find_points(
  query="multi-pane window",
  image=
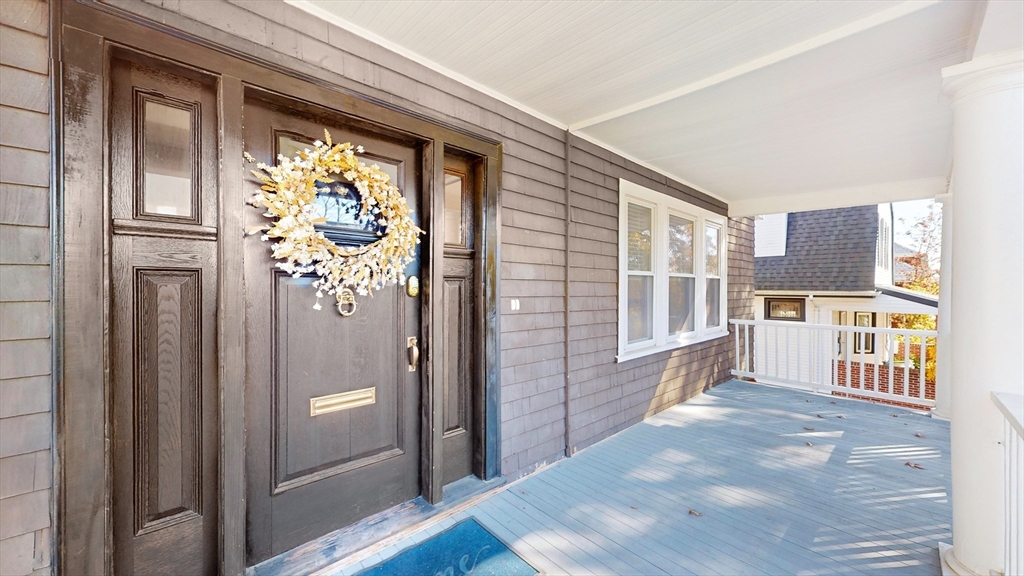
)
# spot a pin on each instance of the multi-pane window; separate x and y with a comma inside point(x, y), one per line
point(672, 265)
point(713, 276)
point(681, 277)
point(640, 263)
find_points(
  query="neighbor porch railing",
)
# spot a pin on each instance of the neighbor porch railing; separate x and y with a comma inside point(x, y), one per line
point(1012, 407)
point(888, 364)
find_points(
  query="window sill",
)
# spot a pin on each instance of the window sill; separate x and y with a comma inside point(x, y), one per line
point(674, 345)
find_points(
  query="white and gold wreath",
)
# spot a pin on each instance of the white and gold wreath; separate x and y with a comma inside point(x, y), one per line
point(289, 194)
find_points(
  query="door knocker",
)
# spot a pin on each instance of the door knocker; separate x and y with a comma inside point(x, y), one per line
point(346, 298)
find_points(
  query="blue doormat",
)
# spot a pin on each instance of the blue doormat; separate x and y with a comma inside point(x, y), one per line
point(466, 548)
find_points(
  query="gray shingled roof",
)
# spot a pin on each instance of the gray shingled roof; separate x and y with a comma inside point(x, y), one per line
point(825, 250)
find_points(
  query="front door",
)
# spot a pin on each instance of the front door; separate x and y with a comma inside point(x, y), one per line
point(313, 469)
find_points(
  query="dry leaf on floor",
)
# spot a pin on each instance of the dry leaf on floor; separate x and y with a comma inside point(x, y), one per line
point(894, 415)
point(809, 429)
point(806, 400)
point(918, 434)
point(633, 507)
point(841, 416)
point(914, 466)
point(695, 513)
point(809, 444)
point(819, 415)
point(832, 402)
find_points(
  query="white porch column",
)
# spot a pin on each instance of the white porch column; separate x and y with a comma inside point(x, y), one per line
point(944, 354)
point(987, 339)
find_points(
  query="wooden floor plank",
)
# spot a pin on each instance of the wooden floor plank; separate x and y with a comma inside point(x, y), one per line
point(769, 503)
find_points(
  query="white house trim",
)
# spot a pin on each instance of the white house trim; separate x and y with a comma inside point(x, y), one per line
point(918, 189)
point(662, 206)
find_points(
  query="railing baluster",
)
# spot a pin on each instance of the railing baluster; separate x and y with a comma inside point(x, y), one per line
point(923, 383)
point(775, 345)
point(749, 347)
point(736, 337)
point(906, 364)
point(874, 363)
point(892, 355)
point(836, 352)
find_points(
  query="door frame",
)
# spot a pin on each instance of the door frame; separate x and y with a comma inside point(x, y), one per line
point(84, 35)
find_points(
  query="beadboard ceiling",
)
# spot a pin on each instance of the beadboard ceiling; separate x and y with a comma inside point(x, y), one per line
point(772, 106)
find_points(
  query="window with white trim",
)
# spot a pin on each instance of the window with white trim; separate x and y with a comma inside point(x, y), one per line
point(672, 264)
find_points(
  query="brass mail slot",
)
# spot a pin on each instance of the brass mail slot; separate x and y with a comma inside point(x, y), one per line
point(342, 401)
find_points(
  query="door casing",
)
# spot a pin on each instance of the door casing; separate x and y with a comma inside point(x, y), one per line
point(85, 34)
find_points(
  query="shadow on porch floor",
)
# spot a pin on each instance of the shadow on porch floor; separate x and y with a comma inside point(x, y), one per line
point(778, 482)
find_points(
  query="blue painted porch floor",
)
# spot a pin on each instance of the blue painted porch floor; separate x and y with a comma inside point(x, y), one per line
point(764, 501)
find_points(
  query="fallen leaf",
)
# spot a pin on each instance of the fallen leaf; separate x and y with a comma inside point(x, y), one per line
point(918, 434)
point(808, 401)
point(832, 402)
point(841, 416)
point(695, 513)
point(894, 415)
point(809, 444)
point(819, 415)
point(808, 429)
point(914, 466)
point(633, 507)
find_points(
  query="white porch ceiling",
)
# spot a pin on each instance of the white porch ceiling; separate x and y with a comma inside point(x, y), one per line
point(772, 106)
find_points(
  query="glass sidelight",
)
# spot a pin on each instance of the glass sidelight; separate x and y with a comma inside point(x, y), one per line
point(167, 159)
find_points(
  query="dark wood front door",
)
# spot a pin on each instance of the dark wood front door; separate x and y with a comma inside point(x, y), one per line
point(310, 473)
point(163, 209)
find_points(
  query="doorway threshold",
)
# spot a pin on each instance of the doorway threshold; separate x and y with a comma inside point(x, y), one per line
point(337, 546)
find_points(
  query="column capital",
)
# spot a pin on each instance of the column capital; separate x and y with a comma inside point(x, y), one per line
point(984, 75)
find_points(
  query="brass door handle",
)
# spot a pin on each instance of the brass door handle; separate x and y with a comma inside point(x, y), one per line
point(414, 353)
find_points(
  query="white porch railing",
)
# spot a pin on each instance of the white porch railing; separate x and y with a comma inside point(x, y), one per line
point(871, 363)
point(1012, 407)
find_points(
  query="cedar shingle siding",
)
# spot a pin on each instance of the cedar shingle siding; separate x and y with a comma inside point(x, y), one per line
point(604, 396)
point(25, 360)
point(539, 260)
point(825, 250)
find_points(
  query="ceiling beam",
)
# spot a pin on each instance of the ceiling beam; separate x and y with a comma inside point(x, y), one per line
point(845, 31)
point(920, 189)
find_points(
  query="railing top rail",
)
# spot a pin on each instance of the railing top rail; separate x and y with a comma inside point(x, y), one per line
point(789, 324)
point(1012, 407)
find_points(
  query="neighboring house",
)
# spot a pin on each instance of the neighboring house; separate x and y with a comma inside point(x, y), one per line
point(833, 267)
point(810, 266)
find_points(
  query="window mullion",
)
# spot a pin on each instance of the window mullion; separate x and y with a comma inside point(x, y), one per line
point(700, 273)
point(661, 275)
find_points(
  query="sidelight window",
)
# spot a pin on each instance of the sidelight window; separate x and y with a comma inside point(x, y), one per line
point(672, 289)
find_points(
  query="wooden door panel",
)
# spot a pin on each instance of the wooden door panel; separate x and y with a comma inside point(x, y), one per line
point(315, 358)
point(460, 375)
point(311, 472)
point(168, 396)
point(163, 308)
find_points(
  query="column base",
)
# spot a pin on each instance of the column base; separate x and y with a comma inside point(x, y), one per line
point(950, 565)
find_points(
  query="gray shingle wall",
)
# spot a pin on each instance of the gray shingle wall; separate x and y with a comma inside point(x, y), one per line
point(532, 198)
point(25, 383)
point(605, 396)
point(825, 250)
